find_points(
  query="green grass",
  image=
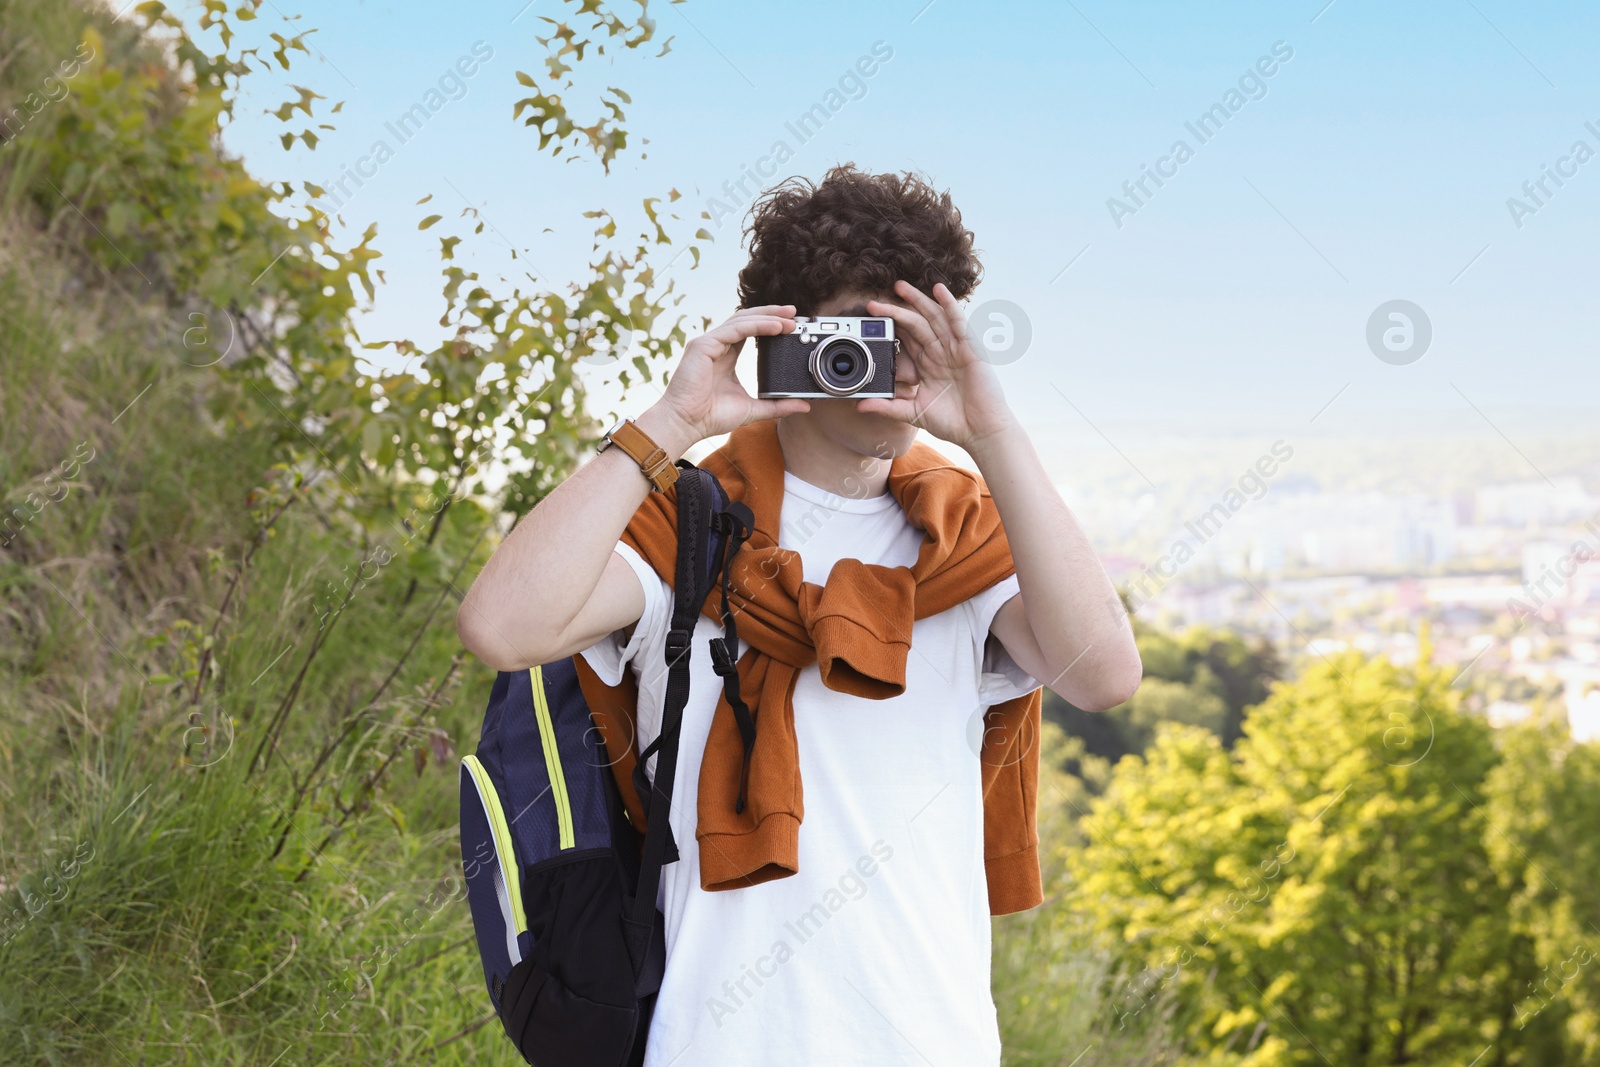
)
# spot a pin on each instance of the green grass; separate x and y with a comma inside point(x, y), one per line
point(181, 938)
point(144, 915)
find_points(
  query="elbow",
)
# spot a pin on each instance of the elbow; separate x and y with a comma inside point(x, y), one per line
point(1126, 685)
point(482, 636)
point(1117, 687)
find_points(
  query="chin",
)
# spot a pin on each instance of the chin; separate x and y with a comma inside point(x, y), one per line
point(864, 433)
point(899, 436)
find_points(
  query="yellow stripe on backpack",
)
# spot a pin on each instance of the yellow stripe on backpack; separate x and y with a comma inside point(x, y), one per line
point(505, 854)
point(552, 759)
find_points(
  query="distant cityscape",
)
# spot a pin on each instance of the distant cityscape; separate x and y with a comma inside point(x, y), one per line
point(1505, 574)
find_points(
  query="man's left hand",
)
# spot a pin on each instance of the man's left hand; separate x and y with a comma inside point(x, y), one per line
point(952, 392)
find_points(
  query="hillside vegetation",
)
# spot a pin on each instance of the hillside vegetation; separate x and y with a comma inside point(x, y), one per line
point(231, 694)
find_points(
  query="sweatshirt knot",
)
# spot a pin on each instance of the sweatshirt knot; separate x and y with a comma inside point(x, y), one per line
point(860, 625)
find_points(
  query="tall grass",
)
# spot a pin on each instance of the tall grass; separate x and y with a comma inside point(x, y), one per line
point(162, 905)
point(158, 902)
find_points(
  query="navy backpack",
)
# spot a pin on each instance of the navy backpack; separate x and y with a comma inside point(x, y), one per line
point(561, 885)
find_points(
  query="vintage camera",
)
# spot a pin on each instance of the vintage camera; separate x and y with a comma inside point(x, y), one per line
point(828, 357)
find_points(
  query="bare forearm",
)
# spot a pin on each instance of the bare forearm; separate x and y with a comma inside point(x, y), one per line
point(1066, 628)
point(1080, 632)
point(522, 607)
point(554, 586)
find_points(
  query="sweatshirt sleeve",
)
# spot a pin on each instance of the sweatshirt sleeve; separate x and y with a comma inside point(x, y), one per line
point(1010, 759)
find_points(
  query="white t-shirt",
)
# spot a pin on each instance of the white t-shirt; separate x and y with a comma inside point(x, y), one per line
point(876, 952)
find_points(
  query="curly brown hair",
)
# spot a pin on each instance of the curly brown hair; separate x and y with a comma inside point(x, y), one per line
point(853, 232)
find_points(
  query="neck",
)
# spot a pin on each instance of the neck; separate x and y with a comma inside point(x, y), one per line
point(814, 457)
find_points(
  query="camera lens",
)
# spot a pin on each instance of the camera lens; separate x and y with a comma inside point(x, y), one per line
point(842, 365)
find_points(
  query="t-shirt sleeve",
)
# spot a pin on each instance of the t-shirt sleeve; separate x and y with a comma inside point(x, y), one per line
point(999, 677)
point(610, 655)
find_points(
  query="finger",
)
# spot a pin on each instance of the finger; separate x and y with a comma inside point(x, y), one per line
point(749, 322)
point(931, 310)
point(782, 311)
point(777, 409)
point(907, 371)
point(755, 316)
point(952, 311)
point(906, 390)
point(914, 336)
point(914, 325)
point(901, 410)
point(735, 331)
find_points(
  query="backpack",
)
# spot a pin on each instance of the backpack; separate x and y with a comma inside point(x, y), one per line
point(561, 887)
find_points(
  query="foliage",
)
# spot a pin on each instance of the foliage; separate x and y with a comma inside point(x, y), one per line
point(1202, 677)
point(230, 696)
point(1544, 815)
point(564, 46)
point(1050, 978)
point(1329, 891)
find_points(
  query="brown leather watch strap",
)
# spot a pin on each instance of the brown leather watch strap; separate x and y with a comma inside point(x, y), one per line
point(651, 457)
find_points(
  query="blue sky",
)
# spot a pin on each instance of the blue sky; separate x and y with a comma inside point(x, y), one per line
point(1375, 164)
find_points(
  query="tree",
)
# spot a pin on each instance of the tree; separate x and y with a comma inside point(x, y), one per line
point(1050, 980)
point(1324, 893)
point(1203, 677)
point(1544, 814)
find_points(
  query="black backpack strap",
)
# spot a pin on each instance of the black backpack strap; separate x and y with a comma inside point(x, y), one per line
point(695, 502)
point(736, 524)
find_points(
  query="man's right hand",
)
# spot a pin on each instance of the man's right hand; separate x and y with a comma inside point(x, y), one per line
point(556, 585)
point(704, 398)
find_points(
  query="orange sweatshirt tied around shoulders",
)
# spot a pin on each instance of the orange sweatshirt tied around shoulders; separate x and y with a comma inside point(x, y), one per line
point(857, 629)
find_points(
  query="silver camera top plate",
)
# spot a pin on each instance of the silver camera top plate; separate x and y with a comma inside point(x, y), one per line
point(810, 329)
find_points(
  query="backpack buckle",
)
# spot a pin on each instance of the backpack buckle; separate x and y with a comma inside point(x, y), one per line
point(678, 642)
point(721, 659)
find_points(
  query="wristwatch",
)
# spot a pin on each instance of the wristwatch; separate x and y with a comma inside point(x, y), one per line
point(651, 457)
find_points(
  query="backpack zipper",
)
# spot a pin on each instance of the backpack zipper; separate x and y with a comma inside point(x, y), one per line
point(552, 759)
point(505, 854)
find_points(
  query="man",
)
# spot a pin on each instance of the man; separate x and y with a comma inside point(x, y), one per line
point(850, 927)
